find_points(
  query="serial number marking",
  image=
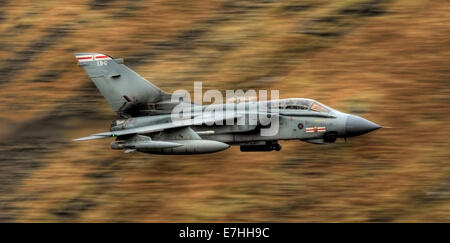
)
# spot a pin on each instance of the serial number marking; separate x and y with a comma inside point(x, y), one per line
point(102, 63)
point(245, 232)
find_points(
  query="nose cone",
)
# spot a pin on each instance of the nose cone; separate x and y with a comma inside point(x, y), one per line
point(356, 126)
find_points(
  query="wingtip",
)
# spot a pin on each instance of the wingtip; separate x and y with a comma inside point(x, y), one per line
point(89, 138)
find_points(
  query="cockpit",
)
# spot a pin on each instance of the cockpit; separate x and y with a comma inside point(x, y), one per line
point(295, 104)
point(318, 107)
point(302, 104)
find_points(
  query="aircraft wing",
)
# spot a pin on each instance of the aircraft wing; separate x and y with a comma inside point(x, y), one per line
point(90, 138)
point(158, 127)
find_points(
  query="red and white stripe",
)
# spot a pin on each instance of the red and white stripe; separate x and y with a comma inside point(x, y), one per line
point(316, 129)
point(95, 57)
point(85, 58)
point(102, 57)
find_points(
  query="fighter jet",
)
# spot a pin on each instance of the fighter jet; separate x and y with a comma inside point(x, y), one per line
point(145, 117)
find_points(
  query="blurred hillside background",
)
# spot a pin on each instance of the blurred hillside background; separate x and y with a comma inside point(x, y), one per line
point(385, 60)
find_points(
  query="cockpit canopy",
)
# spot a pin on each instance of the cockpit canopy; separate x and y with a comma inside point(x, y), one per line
point(318, 107)
point(302, 104)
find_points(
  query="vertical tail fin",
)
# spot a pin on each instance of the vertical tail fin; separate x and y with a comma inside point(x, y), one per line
point(125, 90)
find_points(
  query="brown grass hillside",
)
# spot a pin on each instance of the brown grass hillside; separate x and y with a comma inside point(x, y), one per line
point(385, 60)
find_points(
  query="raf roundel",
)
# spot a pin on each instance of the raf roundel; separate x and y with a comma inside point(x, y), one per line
point(300, 126)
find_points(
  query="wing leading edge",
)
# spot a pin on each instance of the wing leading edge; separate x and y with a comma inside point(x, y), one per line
point(158, 127)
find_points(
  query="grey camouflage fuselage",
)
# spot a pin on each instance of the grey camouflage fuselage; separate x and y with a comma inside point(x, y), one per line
point(146, 121)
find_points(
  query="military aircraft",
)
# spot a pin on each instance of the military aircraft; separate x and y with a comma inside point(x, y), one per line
point(145, 121)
